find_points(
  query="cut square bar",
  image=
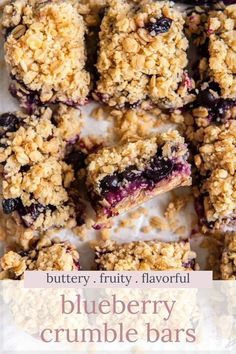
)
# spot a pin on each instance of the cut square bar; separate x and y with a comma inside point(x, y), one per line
point(45, 52)
point(213, 136)
point(122, 177)
point(143, 55)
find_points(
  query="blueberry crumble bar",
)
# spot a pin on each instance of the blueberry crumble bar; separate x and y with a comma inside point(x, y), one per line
point(212, 136)
point(145, 255)
point(43, 255)
point(221, 30)
point(36, 179)
point(228, 261)
point(143, 55)
point(45, 52)
point(122, 177)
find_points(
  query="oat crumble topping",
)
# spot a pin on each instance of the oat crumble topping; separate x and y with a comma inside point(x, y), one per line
point(44, 255)
point(143, 55)
point(144, 255)
point(45, 49)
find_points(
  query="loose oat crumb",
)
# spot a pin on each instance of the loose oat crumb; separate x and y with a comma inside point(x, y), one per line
point(157, 222)
point(127, 223)
point(105, 234)
point(146, 229)
point(81, 232)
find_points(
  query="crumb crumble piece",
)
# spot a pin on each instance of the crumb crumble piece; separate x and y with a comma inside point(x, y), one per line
point(45, 51)
point(143, 55)
point(36, 179)
point(145, 255)
point(43, 255)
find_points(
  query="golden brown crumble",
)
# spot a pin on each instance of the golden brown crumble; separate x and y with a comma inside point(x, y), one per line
point(134, 64)
point(144, 255)
point(222, 49)
point(33, 166)
point(45, 255)
point(228, 262)
point(45, 49)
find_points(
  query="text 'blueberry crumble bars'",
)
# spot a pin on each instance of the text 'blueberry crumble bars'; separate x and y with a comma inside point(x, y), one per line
point(43, 255)
point(142, 55)
point(45, 52)
point(122, 177)
point(36, 179)
point(145, 255)
point(228, 260)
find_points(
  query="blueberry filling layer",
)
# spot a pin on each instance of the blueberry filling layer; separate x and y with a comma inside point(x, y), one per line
point(120, 185)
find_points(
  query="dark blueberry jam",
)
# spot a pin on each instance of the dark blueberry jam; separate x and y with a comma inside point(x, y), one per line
point(11, 204)
point(132, 105)
point(217, 107)
point(8, 123)
point(76, 159)
point(162, 25)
